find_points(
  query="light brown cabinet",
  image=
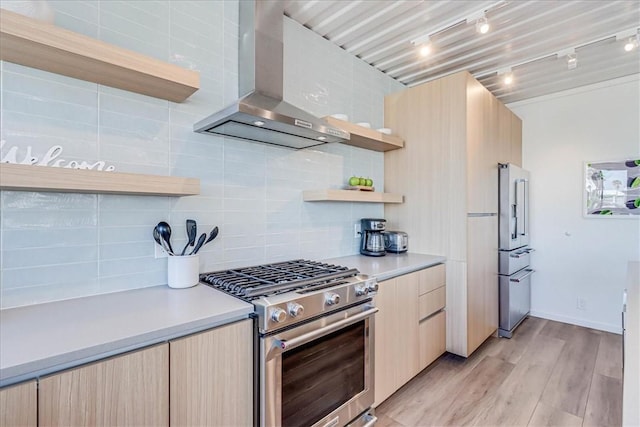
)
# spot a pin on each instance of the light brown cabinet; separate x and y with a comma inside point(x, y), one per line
point(127, 390)
point(212, 377)
point(431, 316)
point(455, 132)
point(406, 341)
point(18, 405)
point(202, 379)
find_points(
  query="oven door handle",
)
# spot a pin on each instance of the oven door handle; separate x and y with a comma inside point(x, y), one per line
point(309, 336)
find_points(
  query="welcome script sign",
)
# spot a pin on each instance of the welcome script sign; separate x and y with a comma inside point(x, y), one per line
point(51, 158)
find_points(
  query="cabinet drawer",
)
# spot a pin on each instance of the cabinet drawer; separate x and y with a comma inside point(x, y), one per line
point(431, 302)
point(433, 340)
point(431, 278)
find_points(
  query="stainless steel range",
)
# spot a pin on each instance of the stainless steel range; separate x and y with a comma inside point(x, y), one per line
point(315, 327)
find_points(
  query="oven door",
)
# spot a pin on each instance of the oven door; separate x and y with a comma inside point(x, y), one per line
point(319, 373)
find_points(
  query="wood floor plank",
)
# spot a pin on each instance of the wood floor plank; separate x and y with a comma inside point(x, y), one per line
point(609, 360)
point(473, 395)
point(385, 421)
point(563, 331)
point(568, 387)
point(433, 388)
point(517, 397)
point(555, 376)
point(604, 407)
point(548, 416)
point(511, 350)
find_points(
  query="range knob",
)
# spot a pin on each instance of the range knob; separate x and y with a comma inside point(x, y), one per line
point(332, 298)
point(278, 315)
point(295, 309)
point(373, 287)
point(361, 291)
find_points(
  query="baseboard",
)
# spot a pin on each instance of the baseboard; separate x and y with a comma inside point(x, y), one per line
point(616, 329)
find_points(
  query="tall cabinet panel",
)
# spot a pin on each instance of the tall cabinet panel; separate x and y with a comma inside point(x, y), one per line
point(482, 282)
point(455, 133)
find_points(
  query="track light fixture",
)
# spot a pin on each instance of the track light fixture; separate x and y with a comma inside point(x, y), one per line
point(482, 25)
point(631, 36)
point(572, 57)
point(631, 44)
point(507, 76)
point(423, 44)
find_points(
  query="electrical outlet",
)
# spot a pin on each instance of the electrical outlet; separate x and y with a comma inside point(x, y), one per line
point(159, 251)
point(581, 304)
point(356, 230)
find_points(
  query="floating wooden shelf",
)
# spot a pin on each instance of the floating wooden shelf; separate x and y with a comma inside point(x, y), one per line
point(367, 138)
point(44, 178)
point(41, 45)
point(331, 195)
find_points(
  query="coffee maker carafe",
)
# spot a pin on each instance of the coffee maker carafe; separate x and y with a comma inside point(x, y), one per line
point(372, 230)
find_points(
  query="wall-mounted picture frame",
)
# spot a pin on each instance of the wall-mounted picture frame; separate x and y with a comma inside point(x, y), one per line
point(612, 189)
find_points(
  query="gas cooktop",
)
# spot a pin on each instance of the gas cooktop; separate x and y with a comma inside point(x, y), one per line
point(289, 292)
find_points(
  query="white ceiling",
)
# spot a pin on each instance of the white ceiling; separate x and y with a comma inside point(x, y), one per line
point(525, 35)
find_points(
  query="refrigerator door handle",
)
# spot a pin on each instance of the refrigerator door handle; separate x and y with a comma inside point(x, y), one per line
point(520, 207)
point(525, 208)
point(528, 272)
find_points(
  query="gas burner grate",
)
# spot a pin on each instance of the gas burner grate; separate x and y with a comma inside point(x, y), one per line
point(270, 279)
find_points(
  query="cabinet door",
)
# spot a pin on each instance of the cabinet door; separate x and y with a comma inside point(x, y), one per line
point(397, 344)
point(482, 280)
point(127, 390)
point(385, 335)
point(516, 140)
point(433, 338)
point(431, 278)
point(212, 377)
point(18, 405)
point(407, 365)
point(482, 149)
point(504, 133)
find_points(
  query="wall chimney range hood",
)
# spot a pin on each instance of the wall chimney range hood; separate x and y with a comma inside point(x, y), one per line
point(261, 114)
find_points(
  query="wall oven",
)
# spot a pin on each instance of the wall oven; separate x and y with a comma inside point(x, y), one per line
point(320, 373)
point(314, 341)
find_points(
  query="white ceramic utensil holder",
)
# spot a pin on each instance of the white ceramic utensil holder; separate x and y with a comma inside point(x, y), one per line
point(183, 271)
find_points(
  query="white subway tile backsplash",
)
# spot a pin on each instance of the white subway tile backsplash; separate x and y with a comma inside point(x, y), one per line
point(120, 266)
point(34, 257)
point(20, 200)
point(124, 282)
point(70, 219)
point(126, 233)
point(24, 238)
point(42, 107)
point(50, 275)
point(56, 246)
point(16, 297)
point(40, 88)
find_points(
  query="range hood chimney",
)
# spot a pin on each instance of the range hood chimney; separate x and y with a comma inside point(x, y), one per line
point(261, 114)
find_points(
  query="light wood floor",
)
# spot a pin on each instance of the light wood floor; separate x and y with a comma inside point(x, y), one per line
point(548, 374)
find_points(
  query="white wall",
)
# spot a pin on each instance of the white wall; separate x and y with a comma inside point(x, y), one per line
point(55, 246)
point(579, 257)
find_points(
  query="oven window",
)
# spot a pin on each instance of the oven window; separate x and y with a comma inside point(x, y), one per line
point(321, 375)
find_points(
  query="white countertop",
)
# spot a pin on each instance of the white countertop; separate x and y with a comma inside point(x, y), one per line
point(388, 266)
point(40, 339)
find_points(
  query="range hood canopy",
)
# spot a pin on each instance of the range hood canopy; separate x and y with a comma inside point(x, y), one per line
point(261, 114)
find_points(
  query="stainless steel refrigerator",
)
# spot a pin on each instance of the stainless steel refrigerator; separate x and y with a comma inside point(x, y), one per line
point(514, 255)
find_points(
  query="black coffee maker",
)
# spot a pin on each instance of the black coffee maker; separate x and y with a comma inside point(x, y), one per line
point(372, 243)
